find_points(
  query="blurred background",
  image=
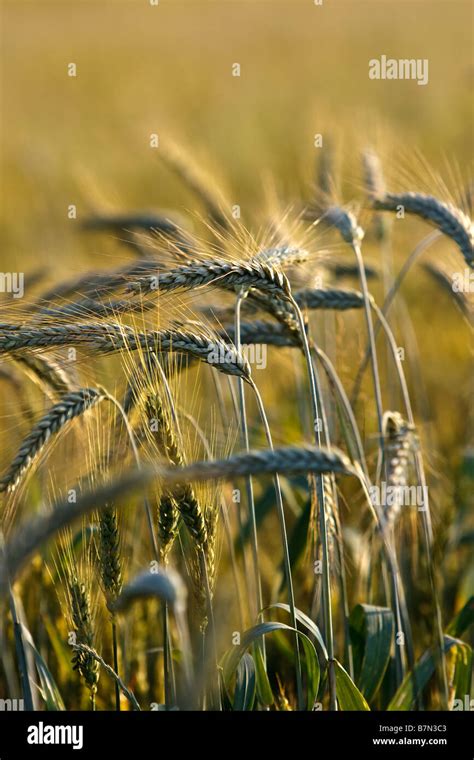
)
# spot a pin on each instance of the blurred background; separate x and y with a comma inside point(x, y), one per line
point(167, 69)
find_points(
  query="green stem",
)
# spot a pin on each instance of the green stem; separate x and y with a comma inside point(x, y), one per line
point(21, 654)
point(210, 640)
point(286, 553)
point(426, 513)
point(371, 338)
point(422, 246)
point(116, 667)
point(316, 396)
point(248, 479)
point(168, 670)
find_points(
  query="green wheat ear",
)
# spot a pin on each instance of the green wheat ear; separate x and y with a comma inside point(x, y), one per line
point(83, 663)
point(109, 553)
point(182, 496)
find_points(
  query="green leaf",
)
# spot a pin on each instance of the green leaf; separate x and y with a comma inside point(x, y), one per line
point(233, 656)
point(263, 507)
point(50, 691)
point(463, 620)
point(298, 539)
point(266, 503)
point(83, 536)
point(250, 636)
point(347, 430)
point(313, 672)
point(348, 695)
point(62, 651)
point(264, 689)
point(310, 626)
point(371, 630)
point(415, 681)
point(245, 686)
point(462, 671)
point(24, 662)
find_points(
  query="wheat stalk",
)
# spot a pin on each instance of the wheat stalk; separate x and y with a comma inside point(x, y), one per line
point(324, 298)
point(462, 300)
point(166, 585)
point(110, 563)
point(279, 308)
point(309, 298)
point(346, 223)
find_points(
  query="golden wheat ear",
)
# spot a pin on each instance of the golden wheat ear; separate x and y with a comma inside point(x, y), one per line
point(71, 405)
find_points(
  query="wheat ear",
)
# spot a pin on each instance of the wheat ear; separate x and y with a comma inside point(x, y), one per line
point(110, 564)
point(29, 537)
point(110, 337)
point(345, 222)
point(287, 460)
point(183, 497)
point(87, 650)
point(263, 332)
point(109, 552)
point(71, 405)
point(398, 445)
point(284, 255)
point(250, 274)
point(86, 665)
point(192, 175)
point(446, 217)
point(290, 460)
point(48, 372)
point(375, 187)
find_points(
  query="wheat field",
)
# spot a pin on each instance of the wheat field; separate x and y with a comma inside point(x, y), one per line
point(236, 400)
